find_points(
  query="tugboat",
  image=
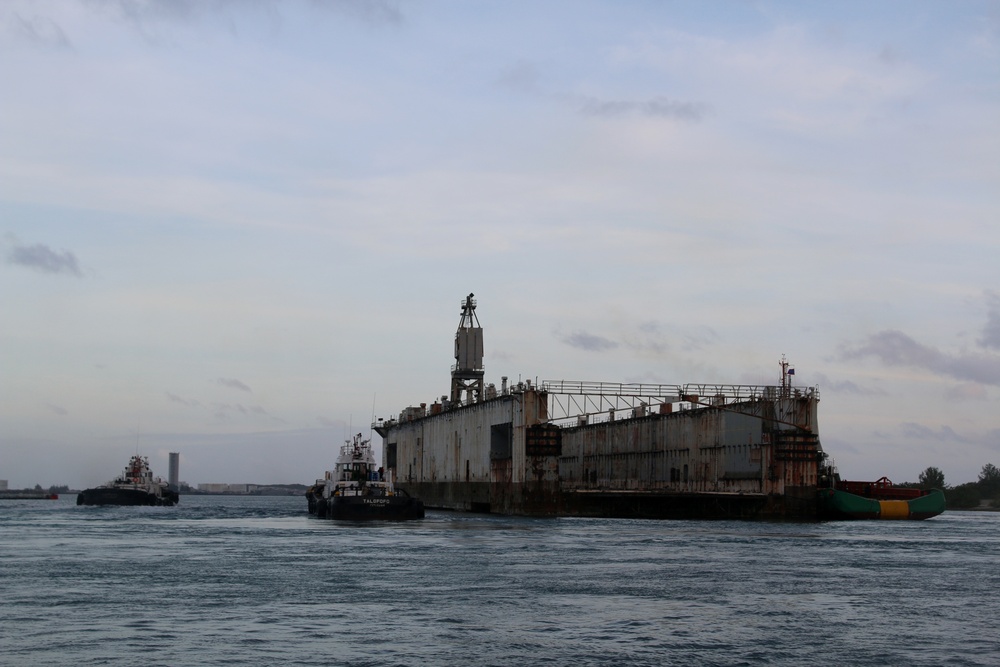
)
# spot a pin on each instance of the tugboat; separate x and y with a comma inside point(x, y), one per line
point(878, 500)
point(357, 489)
point(135, 486)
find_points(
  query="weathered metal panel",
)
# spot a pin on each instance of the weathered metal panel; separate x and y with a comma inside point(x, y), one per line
point(469, 348)
point(471, 445)
point(502, 499)
point(688, 451)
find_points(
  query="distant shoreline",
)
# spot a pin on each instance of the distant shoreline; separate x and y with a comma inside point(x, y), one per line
point(973, 509)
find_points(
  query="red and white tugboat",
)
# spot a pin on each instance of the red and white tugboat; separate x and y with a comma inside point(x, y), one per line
point(135, 486)
point(358, 489)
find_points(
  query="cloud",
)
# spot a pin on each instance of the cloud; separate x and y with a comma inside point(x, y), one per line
point(589, 342)
point(942, 434)
point(151, 19)
point(647, 337)
point(39, 30)
point(140, 10)
point(177, 399)
point(993, 439)
point(375, 12)
point(234, 384)
point(698, 339)
point(650, 337)
point(967, 391)
point(894, 348)
point(521, 77)
point(144, 13)
point(991, 330)
point(844, 386)
point(56, 409)
point(657, 107)
point(42, 258)
point(524, 77)
point(223, 411)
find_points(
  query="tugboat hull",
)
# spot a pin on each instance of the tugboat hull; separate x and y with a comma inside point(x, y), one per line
point(113, 496)
point(362, 508)
point(314, 496)
point(135, 486)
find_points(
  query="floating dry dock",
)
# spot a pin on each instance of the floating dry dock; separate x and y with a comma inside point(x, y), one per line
point(560, 448)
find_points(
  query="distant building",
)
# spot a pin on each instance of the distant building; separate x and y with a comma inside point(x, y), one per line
point(213, 488)
point(3, 485)
point(174, 470)
point(224, 488)
point(247, 489)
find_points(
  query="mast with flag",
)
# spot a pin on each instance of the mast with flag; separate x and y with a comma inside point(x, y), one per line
point(786, 371)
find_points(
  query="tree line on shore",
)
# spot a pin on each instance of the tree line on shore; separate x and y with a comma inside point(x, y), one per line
point(964, 496)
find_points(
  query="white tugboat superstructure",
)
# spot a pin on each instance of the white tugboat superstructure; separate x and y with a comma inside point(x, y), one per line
point(358, 489)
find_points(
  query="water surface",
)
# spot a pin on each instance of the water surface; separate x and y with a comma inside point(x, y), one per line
point(256, 580)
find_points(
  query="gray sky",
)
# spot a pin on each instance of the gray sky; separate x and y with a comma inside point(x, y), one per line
point(238, 230)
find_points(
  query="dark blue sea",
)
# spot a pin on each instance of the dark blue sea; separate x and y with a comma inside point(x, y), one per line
point(257, 581)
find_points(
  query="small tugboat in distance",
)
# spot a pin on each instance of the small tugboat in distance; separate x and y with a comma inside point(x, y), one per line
point(135, 486)
point(878, 500)
point(356, 489)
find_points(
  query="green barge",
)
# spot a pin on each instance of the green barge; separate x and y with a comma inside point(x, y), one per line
point(878, 500)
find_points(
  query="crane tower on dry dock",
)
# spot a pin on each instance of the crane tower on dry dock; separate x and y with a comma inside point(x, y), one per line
point(467, 373)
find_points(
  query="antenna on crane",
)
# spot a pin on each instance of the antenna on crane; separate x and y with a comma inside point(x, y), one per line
point(467, 373)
